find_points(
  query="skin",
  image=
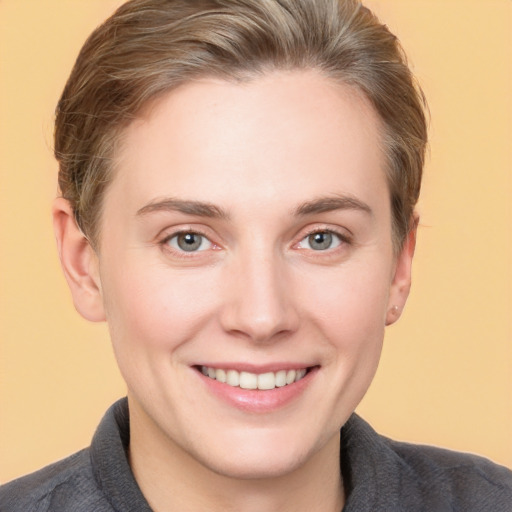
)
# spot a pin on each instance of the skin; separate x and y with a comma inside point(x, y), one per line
point(270, 162)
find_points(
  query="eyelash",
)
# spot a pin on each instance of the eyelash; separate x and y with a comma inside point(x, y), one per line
point(182, 253)
point(342, 237)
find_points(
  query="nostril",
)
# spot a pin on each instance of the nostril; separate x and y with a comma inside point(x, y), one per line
point(258, 303)
point(268, 325)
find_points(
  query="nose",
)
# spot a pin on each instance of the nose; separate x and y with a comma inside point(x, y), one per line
point(259, 303)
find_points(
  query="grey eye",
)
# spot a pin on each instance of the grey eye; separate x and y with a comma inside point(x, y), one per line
point(320, 241)
point(189, 242)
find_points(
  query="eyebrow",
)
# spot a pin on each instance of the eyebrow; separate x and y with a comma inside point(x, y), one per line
point(205, 209)
point(197, 208)
point(331, 203)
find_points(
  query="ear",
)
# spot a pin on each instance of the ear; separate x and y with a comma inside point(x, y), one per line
point(79, 262)
point(401, 283)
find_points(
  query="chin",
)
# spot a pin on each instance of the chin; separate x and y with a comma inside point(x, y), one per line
point(260, 453)
point(255, 466)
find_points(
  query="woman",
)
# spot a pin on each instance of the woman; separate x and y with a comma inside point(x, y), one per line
point(238, 185)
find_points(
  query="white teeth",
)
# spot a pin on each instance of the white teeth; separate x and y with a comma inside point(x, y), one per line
point(300, 374)
point(220, 375)
point(281, 378)
point(266, 380)
point(248, 380)
point(232, 378)
point(290, 376)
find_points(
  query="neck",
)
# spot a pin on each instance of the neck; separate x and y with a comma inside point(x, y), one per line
point(172, 480)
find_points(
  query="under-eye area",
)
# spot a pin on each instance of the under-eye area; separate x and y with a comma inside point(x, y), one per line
point(257, 381)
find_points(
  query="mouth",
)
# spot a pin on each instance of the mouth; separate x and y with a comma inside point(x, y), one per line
point(258, 390)
point(255, 381)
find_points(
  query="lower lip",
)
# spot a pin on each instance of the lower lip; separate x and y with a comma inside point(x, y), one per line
point(259, 401)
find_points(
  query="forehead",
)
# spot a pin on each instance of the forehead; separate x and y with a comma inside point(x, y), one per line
point(285, 134)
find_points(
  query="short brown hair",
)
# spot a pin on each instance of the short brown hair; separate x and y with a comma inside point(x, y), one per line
point(148, 47)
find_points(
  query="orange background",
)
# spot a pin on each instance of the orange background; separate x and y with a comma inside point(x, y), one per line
point(446, 373)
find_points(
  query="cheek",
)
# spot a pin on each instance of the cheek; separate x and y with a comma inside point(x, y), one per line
point(351, 300)
point(154, 309)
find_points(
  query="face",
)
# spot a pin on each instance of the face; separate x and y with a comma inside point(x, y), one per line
point(246, 268)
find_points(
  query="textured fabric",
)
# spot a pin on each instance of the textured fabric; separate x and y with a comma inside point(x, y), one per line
point(97, 479)
point(380, 476)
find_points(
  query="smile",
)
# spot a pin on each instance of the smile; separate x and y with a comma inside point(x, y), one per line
point(248, 380)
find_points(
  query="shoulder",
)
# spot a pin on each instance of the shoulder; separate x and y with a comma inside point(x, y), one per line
point(467, 481)
point(65, 485)
point(392, 475)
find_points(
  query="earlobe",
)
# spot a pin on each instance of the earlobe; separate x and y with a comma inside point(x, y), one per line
point(79, 262)
point(401, 283)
